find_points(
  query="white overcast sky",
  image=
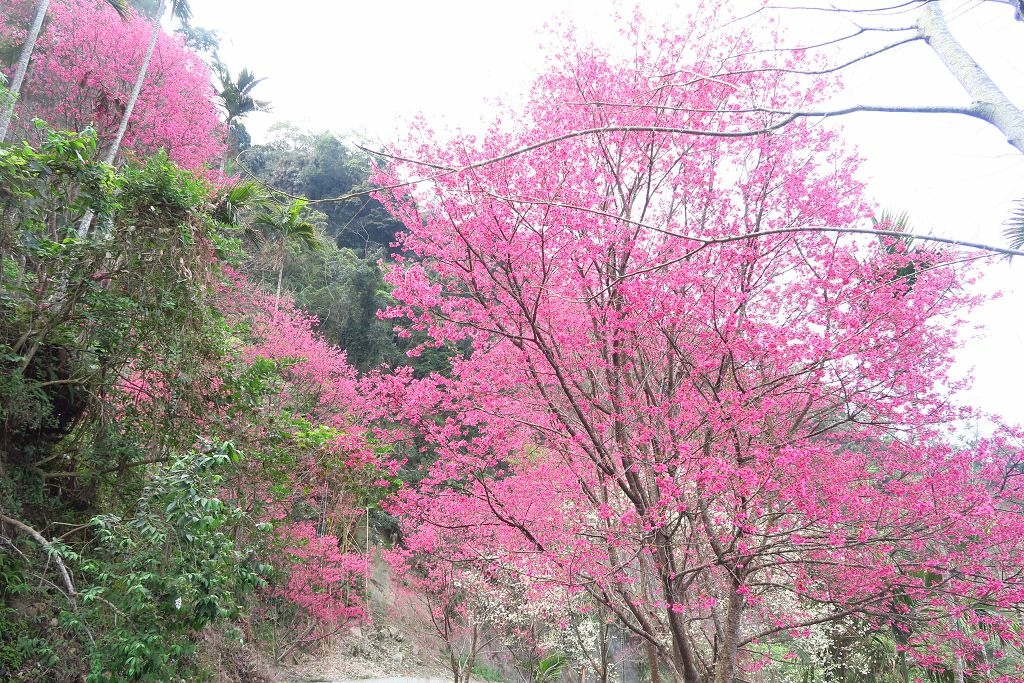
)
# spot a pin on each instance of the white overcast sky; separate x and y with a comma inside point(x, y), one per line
point(364, 68)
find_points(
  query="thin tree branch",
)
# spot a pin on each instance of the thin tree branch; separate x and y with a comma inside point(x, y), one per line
point(900, 7)
point(50, 551)
point(708, 241)
point(83, 473)
point(855, 109)
point(861, 30)
point(864, 231)
point(788, 117)
point(812, 72)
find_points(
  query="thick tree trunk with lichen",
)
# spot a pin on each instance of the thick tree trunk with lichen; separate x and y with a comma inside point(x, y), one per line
point(988, 102)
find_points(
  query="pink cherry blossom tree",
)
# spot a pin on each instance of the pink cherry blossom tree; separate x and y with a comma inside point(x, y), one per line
point(84, 66)
point(25, 56)
point(440, 603)
point(292, 404)
point(723, 444)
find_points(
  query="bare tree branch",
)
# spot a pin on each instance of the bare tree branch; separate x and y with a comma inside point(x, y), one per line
point(866, 231)
point(861, 30)
point(50, 551)
point(885, 9)
point(708, 241)
point(787, 118)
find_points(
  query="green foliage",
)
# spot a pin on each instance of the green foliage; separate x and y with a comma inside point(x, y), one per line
point(12, 583)
point(287, 223)
point(343, 287)
point(6, 96)
point(198, 39)
point(124, 404)
point(236, 92)
point(167, 570)
point(98, 406)
point(918, 258)
point(237, 102)
point(168, 194)
point(345, 292)
point(487, 673)
point(23, 404)
point(1014, 231)
point(550, 668)
point(38, 184)
point(320, 166)
point(235, 201)
point(117, 376)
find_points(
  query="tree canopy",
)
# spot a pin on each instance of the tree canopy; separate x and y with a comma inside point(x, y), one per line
point(638, 383)
point(320, 166)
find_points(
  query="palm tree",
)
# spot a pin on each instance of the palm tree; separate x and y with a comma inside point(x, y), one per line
point(891, 245)
point(230, 203)
point(550, 668)
point(236, 98)
point(119, 6)
point(289, 225)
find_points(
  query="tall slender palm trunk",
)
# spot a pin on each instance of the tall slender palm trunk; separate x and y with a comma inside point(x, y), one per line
point(115, 146)
point(22, 68)
point(280, 274)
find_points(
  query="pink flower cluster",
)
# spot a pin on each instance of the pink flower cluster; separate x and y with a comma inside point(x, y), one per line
point(83, 69)
point(322, 580)
point(676, 402)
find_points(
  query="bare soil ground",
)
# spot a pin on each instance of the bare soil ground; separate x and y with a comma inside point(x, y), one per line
point(368, 653)
point(380, 651)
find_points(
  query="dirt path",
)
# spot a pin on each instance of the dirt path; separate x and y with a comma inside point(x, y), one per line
point(382, 651)
point(367, 655)
point(383, 679)
point(396, 679)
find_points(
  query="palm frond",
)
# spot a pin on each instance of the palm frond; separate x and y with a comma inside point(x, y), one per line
point(246, 192)
point(123, 9)
point(181, 10)
point(1014, 231)
point(296, 208)
point(896, 222)
point(550, 668)
point(246, 81)
point(236, 93)
point(232, 201)
point(222, 73)
point(288, 224)
point(893, 222)
point(267, 221)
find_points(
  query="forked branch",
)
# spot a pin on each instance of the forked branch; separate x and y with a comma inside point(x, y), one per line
point(51, 552)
